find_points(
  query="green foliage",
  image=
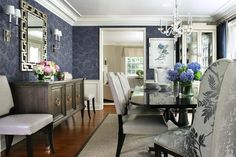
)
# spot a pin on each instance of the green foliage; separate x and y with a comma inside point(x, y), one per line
point(139, 73)
point(198, 75)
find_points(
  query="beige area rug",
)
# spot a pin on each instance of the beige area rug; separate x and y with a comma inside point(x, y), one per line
point(104, 141)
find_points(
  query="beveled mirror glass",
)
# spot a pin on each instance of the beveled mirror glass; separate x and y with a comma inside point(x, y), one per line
point(33, 36)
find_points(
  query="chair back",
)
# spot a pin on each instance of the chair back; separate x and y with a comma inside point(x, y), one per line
point(125, 84)
point(6, 102)
point(117, 93)
point(224, 135)
point(160, 75)
point(199, 140)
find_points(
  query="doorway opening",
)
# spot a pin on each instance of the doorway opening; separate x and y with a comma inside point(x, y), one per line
point(121, 50)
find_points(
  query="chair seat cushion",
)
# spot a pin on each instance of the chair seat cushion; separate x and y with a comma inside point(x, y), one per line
point(24, 124)
point(144, 124)
point(175, 140)
point(89, 97)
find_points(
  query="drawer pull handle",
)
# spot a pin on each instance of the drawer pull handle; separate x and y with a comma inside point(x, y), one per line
point(69, 98)
point(57, 102)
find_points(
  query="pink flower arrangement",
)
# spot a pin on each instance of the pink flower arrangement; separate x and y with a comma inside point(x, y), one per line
point(46, 68)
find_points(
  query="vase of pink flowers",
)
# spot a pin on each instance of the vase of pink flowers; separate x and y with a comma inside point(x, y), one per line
point(46, 70)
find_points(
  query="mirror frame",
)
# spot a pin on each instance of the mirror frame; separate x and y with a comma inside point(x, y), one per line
point(25, 9)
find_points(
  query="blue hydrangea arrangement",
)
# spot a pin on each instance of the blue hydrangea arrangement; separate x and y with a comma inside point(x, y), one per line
point(185, 73)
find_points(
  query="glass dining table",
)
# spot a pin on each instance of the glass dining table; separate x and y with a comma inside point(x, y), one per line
point(165, 99)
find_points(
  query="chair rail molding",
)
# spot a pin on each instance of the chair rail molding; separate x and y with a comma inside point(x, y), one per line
point(93, 87)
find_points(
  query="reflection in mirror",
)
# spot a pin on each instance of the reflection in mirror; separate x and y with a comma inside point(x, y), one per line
point(35, 39)
point(33, 36)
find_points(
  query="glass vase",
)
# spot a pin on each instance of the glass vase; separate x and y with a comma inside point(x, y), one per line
point(186, 89)
point(175, 88)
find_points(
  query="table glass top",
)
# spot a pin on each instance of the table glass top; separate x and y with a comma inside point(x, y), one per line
point(157, 98)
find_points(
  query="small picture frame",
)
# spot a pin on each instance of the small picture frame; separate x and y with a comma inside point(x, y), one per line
point(161, 53)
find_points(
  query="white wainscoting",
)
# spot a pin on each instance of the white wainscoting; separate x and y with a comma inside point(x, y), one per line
point(94, 87)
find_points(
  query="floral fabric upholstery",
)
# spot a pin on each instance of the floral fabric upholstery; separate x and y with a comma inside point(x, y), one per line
point(197, 141)
point(224, 136)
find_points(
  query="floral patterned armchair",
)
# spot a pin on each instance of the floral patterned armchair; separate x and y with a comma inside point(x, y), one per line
point(209, 130)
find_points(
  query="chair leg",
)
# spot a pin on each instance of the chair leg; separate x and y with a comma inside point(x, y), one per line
point(121, 139)
point(82, 114)
point(121, 136)
point(8, 141)
point(50, 137)
point(165, 154)
point(157, 151)
point(94, 105)
point(29, 145)
point(88, 107)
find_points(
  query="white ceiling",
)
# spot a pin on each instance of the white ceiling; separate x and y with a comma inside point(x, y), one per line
point(122, 37)
point(146, 7)
point(136, 12)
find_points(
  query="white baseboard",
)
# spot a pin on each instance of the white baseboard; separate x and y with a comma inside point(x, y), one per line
point(93, 87)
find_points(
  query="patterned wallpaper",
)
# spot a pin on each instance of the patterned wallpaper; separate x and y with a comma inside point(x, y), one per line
point(86, 50)
point(84, 56)
point(9, 51)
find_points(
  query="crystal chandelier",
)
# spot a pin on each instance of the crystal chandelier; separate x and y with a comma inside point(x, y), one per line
point(176, 28)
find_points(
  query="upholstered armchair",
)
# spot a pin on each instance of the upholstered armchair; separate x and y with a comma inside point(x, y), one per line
point(21, 124)
point(216, 98)
point(134, 123)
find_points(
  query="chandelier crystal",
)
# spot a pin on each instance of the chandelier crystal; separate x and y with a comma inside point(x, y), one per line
point(177, 28)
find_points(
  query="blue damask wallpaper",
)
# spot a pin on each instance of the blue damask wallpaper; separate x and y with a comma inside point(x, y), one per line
point(86, 50)
point(10, 51)
point(82, 60)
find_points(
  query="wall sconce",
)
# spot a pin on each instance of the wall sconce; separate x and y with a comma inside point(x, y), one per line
point(57, 33)
point(12, 12)
point(17, 15)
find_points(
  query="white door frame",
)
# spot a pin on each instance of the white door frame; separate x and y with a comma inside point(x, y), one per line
point(101, 30)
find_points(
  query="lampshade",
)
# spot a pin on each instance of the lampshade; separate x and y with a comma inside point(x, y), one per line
point(9, 10)
point(59, 33)
point(56, 31)
point(17, 13)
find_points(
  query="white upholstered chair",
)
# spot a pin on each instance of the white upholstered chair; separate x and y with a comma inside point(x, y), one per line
point(160, 75)
point(21, 124)
point(213, 128)
point(132, 109)
point(132, 123)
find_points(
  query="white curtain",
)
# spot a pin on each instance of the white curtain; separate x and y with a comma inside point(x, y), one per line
point(133, 52)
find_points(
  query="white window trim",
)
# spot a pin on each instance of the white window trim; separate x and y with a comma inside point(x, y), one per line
point(126, 68)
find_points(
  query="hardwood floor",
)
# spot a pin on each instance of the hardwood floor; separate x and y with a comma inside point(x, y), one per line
point(69, 137)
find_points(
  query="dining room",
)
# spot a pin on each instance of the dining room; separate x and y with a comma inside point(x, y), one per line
point(119, 78)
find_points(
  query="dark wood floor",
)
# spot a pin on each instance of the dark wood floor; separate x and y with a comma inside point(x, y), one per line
point(69, 137)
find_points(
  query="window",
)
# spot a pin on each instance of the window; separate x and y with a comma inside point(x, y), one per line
point(231, 40)
point(133, 64)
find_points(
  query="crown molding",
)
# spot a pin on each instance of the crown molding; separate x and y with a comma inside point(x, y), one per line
point(226, 11)
point(62, 9)
point(130, 20)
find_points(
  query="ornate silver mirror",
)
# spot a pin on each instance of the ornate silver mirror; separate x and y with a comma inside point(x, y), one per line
point(33, 36)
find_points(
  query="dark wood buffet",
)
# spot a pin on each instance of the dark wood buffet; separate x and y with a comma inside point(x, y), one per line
point(60, 98)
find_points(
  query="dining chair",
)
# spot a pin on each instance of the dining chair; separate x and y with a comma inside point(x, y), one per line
point(132, 123)
point(160, 75)
point(196, 141)
point(21, 124)
point(132, 109)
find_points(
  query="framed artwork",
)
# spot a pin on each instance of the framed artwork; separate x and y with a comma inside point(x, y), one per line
point(161, 53)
